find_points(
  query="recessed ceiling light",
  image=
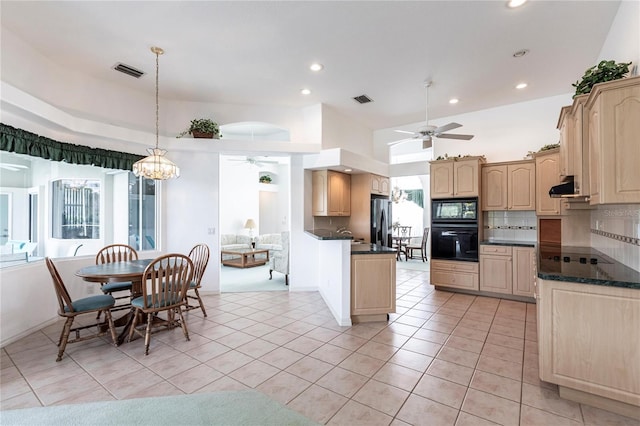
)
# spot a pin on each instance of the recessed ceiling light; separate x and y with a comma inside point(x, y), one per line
point(521, 86)
point(348, 170)
point(305, 91)
point(520, 53)
point(515, 3)
point(316, 67)
point(453, 101)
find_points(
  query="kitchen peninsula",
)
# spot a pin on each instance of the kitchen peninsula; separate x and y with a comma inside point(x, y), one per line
point(361, 282)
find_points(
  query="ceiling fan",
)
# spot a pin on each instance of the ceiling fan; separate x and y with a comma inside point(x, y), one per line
point(254, 161)
point(427, 132)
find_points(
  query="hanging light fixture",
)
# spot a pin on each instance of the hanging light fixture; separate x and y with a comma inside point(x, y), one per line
point(156, 165)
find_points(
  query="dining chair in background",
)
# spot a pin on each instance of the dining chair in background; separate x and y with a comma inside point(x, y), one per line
point(165, 283)
point(279, 262)
point(111, 254)
point(70, 309)
point(199, 255)
point(422, 247)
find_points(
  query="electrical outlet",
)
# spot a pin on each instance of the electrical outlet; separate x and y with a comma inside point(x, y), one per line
point(212, 231)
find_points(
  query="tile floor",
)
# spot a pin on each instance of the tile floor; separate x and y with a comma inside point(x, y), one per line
point(444, 359)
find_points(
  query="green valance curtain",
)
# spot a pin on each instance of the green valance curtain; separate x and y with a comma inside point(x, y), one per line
point(415, 195)
point(23, 142)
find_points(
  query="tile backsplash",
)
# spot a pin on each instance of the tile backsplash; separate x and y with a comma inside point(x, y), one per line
point(615, 231)
point(510, 225)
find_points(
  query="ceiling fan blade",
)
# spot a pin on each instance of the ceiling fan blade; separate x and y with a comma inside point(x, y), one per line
point(399, 142)
point(447, 127)
point(404, 131)
point(452, 136)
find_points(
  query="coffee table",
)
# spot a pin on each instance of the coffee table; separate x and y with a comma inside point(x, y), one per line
point(244, 258)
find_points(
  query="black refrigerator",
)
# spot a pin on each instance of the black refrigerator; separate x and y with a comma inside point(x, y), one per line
point(381, 226)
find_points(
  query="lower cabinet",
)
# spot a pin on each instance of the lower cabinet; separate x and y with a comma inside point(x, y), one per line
point(589, 344)
point(454, 274)
point(373, 285)
point(507, 270)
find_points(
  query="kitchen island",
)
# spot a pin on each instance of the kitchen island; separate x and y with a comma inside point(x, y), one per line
point(588, 313)
point(373, 282)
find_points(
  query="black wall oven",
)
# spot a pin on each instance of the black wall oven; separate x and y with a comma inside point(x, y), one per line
point(454, 229)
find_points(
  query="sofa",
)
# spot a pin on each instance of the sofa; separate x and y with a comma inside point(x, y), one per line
point(271, 242)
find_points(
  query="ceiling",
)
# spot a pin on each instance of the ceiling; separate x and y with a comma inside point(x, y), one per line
point(242, 52)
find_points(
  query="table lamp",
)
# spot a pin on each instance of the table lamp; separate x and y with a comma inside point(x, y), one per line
point(250, 224)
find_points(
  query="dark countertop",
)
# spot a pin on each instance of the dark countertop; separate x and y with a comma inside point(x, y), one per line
point(508, 243)
point(607, 272)
point(327, 234)
point(366, 248)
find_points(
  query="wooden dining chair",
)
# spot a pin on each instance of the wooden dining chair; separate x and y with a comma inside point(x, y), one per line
point(199, 255)
point(111, 254)
point(70, 309)
point(165, 283)
point(404, 232)
point(422, 247)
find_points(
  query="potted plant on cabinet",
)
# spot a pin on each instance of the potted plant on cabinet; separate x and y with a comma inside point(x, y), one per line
point(604, 71)
point(202, 128)
point(264, 179)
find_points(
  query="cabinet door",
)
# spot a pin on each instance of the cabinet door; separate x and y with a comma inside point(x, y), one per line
point(384, 186)
point(494, 188)
point(319, 191)
point(339, 194)
point(496, 274)
point(523, 267)
point(547, 175)
point(345, 202)
point(442, 179)
point(521, 186)
point(566, 141)
point(466, 178)
point(373, 284)
point(594, 153)
point(375, 184)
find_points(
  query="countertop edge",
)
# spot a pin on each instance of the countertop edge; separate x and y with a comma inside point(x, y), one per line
point(591, 281)
point(325, 235)
point(530, 244)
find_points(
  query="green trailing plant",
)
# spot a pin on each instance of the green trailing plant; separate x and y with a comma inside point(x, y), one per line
point(544, 148)
point(604, 71)
point(202, 125)
point(265, 179)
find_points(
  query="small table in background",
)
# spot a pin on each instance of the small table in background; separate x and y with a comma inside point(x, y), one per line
point(244, 258)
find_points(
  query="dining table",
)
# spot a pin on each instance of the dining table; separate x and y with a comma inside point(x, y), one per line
point(130, 270)
point(400, 242)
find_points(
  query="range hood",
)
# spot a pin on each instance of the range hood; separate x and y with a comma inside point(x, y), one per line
point(564, 189)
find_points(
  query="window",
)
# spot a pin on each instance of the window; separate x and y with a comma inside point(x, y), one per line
point(142, 213)
point(76, 209)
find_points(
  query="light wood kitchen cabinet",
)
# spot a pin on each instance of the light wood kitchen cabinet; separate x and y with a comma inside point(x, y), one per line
point(331, 193)
point(379, 185)
point(508, 186)
point(507, 270)
point(574, 144)
point(565, 126)
point(454, 274)
point(373, 284)
point(547, 175)
point(455, 178)
point(613, 111)
point(588, 342)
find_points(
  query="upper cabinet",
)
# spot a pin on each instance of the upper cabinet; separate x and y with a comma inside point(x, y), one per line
point(547, 175)
point(331, 193)
point(509, 186)
point(613, 110)
point(455, 178)
point(379, 185)
point(574, 144)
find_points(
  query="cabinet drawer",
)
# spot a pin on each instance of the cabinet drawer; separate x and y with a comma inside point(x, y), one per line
point(499, 250)
point(466, 281)
point(455, 266)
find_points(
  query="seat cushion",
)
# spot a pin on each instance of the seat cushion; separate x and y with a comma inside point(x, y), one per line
point(111, 287)
point(92, 303)
point(138, 302)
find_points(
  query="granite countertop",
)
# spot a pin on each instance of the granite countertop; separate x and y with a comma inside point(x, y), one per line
point(508, 243)
point(366, 248)
point(607, 271)
point(327, 234)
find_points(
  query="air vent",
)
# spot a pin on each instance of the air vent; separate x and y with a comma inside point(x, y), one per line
point(129, 70)
point(363, 99)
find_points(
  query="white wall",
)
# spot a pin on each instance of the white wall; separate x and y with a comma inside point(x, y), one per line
point(339, 131)
point(623, 41)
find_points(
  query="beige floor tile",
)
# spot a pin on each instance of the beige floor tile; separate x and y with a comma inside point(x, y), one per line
point(217, 331)
point(235, 339)
point(229, 361)
point(477, 316)
point(323, 334)
point(398, 376)
point(300, 327)
point(491, 407)
point(225, 383)
point(419, 411)
point(14, 387)
point(280, 337)
point(532, 376)
point(423, 347)
point(500, 367)
point(108, 371)
point(458, 356)
point(254, 373)
point(330, 353)
point(304, 345)
point(439, 326)
point(469, 345)
point(445, 319)
point(548, 400)
point(431, 336)
point(257, 348)
point(195, 378)
point(466, 419)
point(362, 331)
point(404, 329)
point(411, 360)
point(411, 320)
point(530, 416)
point(476, 325)
point(354, 413)
point(348, 341)
point(362, 364)
point(440, 390)
point(342, 381)
point(450, 371)
point(96, 395)
point(503, 353)
point(377, 350)
point(496, 385)
point(593, 416)
point(508, 330)
point(125, 386)
point(391, 338)
point(208, 351)
point(172, 366)
point(381, 396)
point(283, 387)
point(470, 333)
point(317, 403)
point(309, 368)
point(24, 400)
point(281, 357)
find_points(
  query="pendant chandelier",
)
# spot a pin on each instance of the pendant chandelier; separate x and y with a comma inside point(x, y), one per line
point(156, 166)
